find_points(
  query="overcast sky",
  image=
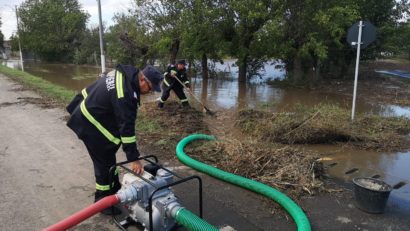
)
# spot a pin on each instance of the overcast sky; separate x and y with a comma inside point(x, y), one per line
point(108, 8)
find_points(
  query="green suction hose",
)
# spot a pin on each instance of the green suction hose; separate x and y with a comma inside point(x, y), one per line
point(289, 205)
point(192, 222)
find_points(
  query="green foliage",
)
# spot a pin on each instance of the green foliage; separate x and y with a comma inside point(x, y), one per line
point(87, 49)
point(14, 43)
point(49, 27)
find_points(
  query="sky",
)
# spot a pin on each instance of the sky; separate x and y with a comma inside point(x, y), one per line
point(108, 9)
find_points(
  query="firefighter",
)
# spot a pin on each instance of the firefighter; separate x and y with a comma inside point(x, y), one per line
point(103, 116)
point(170, 83)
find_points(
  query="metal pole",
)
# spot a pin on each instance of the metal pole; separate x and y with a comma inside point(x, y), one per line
point(18, 33)
point(101, 39)
point(356, 73)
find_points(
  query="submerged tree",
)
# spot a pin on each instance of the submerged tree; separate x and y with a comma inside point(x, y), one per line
point(202, 37)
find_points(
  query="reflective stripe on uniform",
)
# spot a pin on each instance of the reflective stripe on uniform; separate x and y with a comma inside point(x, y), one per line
point(118, 85)
point(186, 82)
point(84, 92)
point(162, 101)
point(117, 170)
point(166, 83)
point(184, 100)
point(92, 120)
point(128, 140)
point(102, 187)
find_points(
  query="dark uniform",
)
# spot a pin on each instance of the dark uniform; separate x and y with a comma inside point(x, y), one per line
point(103, 117)
point(170, 83)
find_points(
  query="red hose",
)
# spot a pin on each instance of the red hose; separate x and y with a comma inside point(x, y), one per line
point(85, 213)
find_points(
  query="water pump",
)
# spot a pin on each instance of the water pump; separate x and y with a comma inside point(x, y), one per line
point(135, 197)
point(149, 198)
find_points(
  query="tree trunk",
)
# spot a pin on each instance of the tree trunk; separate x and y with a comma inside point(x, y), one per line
point(174, 50)
point(242, 95)
point(204, 64)
point(204, 93)
point(242, 69)
point(297, 72)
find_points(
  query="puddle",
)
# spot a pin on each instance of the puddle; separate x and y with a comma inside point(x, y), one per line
point(348, 163)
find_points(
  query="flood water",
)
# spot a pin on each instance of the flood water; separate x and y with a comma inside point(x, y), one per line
point(227, 93)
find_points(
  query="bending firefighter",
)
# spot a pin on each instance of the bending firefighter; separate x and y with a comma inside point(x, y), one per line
point(170, 83)
point(103, 116)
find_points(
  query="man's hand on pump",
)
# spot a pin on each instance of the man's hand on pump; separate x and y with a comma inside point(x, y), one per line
point(137, 167)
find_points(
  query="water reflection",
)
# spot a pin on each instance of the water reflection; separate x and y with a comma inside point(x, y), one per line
point(391, 167)
point(73, 77)
point(220, 93)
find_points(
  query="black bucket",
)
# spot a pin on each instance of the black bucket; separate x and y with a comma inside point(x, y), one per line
point(371, 194)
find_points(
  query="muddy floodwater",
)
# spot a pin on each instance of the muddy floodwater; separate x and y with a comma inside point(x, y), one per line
point(223, 94)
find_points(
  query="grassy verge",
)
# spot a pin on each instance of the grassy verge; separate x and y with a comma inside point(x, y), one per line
point(49, 90)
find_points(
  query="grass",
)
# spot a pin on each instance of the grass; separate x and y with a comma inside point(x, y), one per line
point(49, 90)
point(147, 124)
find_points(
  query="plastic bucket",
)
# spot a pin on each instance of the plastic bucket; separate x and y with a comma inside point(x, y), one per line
point(371, 194)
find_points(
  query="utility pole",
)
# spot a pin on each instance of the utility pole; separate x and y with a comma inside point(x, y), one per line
point(18, 34)
point(101, 39)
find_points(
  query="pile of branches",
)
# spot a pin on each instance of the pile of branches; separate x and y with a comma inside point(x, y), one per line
point(290, 170)
point(326, 124)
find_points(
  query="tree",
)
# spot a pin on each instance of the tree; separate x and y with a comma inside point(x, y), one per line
point(244, 19)
point(49, 27)
point(1, 37)
point(130, 41)
point(202, 38)
point(87, 47)
point(163, 18)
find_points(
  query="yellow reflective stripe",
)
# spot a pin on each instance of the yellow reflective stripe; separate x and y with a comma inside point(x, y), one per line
point(118, 85)
point(117, 170)
point(84, 92)
point(166, 83)
point(127, 140)
point(173, 72)
point(186, 82)
point(184, 100)
point(102, 187)
point(162, 101)
point(104, 131)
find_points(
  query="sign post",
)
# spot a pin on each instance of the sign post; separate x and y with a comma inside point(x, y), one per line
point(356, 71)
point(365, 33)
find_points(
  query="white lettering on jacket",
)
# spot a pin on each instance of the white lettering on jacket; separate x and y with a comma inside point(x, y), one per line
point(110, 82)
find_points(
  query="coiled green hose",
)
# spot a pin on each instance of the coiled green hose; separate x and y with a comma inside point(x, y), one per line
point(288, 204)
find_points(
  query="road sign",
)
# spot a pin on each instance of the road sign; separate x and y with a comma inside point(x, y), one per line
point(368, 34)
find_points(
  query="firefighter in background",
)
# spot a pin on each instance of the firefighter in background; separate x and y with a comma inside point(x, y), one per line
point(103, 116)
point(170, 83)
